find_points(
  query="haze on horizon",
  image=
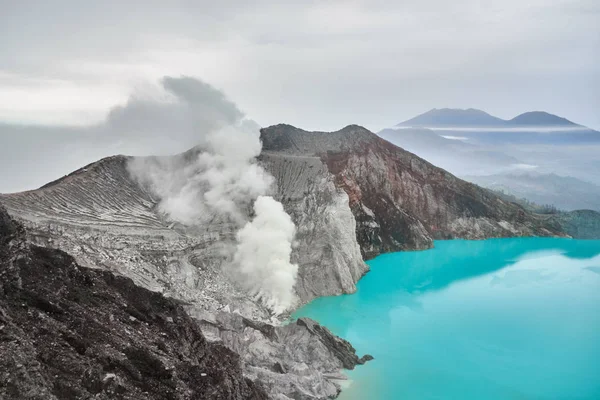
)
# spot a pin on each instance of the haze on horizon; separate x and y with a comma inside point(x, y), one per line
point(315, 65)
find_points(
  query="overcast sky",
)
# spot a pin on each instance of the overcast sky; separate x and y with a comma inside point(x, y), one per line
point(318, 65)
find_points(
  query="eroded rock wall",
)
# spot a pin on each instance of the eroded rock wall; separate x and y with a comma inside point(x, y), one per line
point(326, 249)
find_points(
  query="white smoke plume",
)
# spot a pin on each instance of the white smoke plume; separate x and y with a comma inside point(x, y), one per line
point(218, 181)
point(263, 254)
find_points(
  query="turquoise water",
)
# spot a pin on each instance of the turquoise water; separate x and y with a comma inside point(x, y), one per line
point(494, 319)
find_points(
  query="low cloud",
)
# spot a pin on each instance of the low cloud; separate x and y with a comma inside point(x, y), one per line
point(162, 119)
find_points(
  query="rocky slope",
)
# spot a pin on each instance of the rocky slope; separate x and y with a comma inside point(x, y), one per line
point(105, 218)
point(69, 332)
point(400, 201)
point(327, 252)
point(301, 360)
point(108, 220)
point(583, 224)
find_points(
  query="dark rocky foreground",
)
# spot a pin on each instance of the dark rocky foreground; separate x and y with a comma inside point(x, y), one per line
point(301, 360)
point(69, 332)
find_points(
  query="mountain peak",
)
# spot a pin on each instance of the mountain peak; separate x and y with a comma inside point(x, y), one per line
point(442, 117)
point(290, 139)
point(540, 118)
point(475, 118)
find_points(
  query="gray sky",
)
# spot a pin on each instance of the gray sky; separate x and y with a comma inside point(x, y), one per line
point(314, 64)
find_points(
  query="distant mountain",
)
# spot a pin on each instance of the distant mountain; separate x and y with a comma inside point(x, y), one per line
point(472, 117)
point(448, 117)
point(476, 126)
point(564, 192)
point(540, 118)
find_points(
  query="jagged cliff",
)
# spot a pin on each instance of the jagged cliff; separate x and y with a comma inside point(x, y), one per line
point(400, 201)
point(327, 252)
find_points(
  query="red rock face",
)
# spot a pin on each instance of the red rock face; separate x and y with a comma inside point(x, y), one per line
point(370, 182)
point(400, 201)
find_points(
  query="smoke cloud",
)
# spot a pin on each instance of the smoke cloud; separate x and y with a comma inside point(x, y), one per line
point(218, 181)
point(263, 254)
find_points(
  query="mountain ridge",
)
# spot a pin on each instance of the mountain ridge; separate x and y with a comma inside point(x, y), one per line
point(399, 200)
point(540, 118)
point(472, 117)
point(452, 116)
